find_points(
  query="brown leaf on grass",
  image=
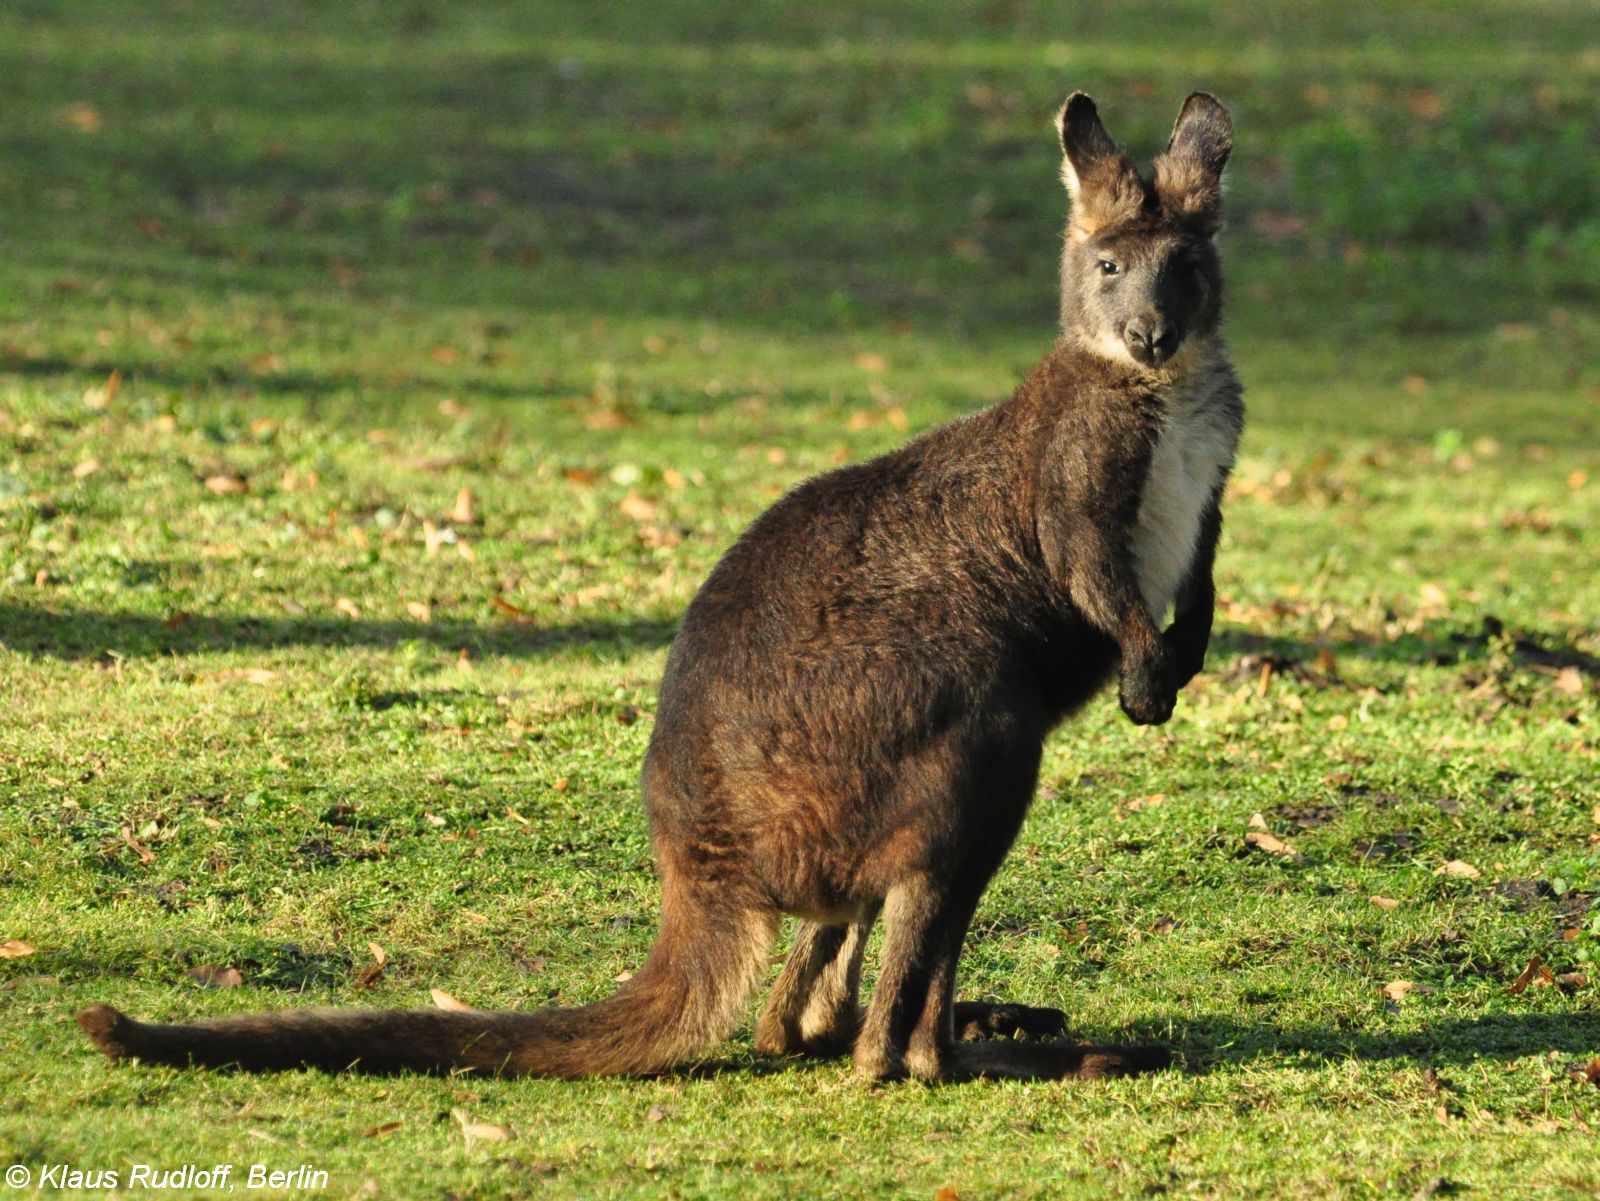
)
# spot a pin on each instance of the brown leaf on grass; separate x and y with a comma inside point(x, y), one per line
point(1262, 841)
point(379, 955)
point(1165, 925)
point(510, 610)
point(463, 512)
point(1535, 970)
point(85, 469)
point(179, 619)
point(383, 1131)
point(15, 948)
point(1396, 990)
point(1458, 867)
point(1572, 981)
point(146, 855)
point(637, 508)
point(85, 118)
point(1570, 681)
point(656, 1114)
point(213, 975)
point(481, 1132)
point(348, 607)
point(249, 675)
point(947, 1194)
point(369, 975)
point(1591, 1071)
point(443, 1000)
point(224, 484)
point(420, 610)
point(1257, 822)
point(1384, 902)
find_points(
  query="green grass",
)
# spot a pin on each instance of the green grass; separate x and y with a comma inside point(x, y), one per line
point(627, 278)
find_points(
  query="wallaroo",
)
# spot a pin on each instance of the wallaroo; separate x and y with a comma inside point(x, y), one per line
point(853, 713)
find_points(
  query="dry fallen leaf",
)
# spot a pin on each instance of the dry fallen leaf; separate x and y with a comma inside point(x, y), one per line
point(1457, 867)
point(947, 1194)
point(378, 953)
point(348, 607)
point(463, 512)
point(481, 1132)
point(656, 1114)
point(637, 508)
point(1384, 902)
point(1570, 681)
point(420, 610)
point(369, 975)
point(506, 607)
point(1572, 981)
point(381, 1131)
point(1263, 841)
point(216, 976)
point(1257, 822)
point(146, 855)
point(1396, 990)
point(1535, 970)
point(224, 485)
point(86, 468)
point(1165, 925)
point(443, 1000)
point(15, 948)
point(250, 675)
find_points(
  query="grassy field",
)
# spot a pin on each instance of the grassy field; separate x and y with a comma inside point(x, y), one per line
point(378, 381)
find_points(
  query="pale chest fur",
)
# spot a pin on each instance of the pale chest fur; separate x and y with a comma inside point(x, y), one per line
point(1192, 456)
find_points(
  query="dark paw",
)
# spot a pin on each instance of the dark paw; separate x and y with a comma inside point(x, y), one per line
point(980, 1019)
point(1148, 702)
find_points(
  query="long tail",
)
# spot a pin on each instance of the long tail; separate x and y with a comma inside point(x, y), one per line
point(689, 995)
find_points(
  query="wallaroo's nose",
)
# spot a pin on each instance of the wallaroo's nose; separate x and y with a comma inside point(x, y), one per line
point(1150, 339)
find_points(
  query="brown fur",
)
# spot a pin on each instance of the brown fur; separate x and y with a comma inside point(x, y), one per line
point(853, 712)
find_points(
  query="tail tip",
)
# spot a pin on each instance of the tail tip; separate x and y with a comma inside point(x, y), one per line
point(1133, 1060)
point(110, 1029)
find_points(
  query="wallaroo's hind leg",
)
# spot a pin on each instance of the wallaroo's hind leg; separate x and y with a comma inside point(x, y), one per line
point(813, 1008)
point(910, 1025)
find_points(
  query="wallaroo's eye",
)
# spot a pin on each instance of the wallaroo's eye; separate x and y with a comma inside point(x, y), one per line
point(1107, 267)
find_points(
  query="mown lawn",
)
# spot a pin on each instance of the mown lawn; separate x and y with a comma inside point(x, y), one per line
point(378, 381)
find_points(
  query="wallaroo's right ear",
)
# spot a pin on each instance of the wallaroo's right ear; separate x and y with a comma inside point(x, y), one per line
point(1100, 179)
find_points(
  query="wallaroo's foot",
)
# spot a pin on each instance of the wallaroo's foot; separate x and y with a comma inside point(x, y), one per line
point(113, 1031)
point(983, 1019)
point(1056, 1061)
point(828, 1039)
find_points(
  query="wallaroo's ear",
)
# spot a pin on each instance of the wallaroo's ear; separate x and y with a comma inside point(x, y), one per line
point(1189, 174)
point(1100, 179)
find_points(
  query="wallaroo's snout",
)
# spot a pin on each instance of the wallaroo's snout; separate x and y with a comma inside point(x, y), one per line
point(1151, 339)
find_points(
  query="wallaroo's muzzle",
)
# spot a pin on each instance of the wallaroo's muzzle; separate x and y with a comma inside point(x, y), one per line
point(1151, 340)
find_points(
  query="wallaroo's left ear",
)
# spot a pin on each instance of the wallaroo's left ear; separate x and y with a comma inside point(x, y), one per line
point(1189, 174)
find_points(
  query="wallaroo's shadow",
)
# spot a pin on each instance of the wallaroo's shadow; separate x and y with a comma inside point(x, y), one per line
point(88, 634)
point(1445, 644)
point(1210, 1041)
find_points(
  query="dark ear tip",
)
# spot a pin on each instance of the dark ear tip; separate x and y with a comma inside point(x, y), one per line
point(1079, 104)
point(1204, 103)
point(1078, 113)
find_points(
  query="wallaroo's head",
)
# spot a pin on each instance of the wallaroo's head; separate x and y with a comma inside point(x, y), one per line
point(1140, 277)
